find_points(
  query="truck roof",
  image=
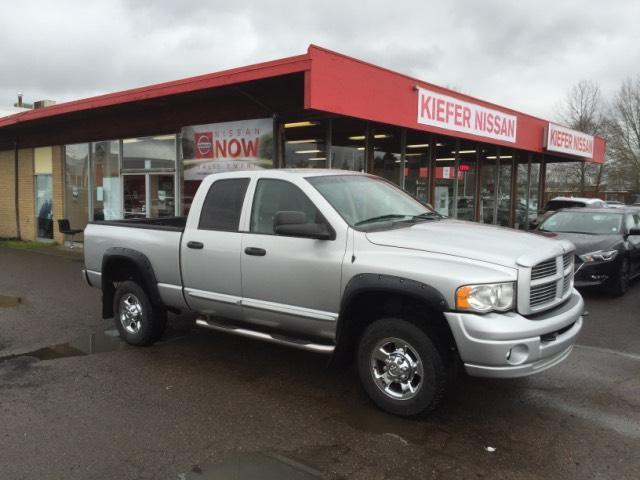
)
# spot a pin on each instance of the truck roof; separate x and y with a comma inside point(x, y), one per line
point(289, 172)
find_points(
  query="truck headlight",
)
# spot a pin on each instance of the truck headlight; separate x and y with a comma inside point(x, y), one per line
point(599, 256)
point(487, 297)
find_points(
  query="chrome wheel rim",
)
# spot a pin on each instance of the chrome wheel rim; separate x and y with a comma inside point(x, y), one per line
point(131, 313)
point(396, 368)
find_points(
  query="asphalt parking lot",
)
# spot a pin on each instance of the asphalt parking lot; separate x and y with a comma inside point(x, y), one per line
point(76, 403)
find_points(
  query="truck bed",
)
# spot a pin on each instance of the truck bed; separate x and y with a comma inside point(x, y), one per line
point(175, 224)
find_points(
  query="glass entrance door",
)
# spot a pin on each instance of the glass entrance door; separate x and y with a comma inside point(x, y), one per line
point(44, 207)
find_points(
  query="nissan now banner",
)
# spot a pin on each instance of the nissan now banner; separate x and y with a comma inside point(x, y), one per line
point(565, 140)
point(449, 113)
point(222, 147)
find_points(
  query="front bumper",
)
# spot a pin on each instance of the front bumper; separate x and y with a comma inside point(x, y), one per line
point(508, 345)
point(591, 274)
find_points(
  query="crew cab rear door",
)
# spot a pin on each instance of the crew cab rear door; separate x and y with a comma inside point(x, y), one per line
point(210, 249)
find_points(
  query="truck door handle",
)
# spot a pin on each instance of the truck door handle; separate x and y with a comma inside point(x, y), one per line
point(195, 245)
point(258, 252)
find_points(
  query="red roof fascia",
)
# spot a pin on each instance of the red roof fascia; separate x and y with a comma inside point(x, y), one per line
point(348, 86)
point(299, 63)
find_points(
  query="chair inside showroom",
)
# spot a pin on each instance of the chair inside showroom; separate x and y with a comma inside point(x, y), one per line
point(65, 229)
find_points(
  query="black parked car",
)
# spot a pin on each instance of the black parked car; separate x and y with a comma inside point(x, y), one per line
point(607, 244)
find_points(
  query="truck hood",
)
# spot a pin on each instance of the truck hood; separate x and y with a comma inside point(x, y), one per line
point(487, 243)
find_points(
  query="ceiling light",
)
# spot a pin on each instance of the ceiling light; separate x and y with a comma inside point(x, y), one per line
point(360, 148)
point(413, 154)
point(308, 151)
point(310, 140)
point(447, 159)
point(493, 157)
point(317, 158)
point(418, 145)
point(300, 124)
point(363, 137)
point(464, 151)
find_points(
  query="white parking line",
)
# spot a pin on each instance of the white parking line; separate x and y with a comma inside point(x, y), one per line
point(631, 356)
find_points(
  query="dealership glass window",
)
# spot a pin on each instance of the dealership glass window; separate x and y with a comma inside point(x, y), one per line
point(466, 179)
point(162, 202)
point(105, 168)
point(134, 189)
point(522, 195)
point(505, 162)
point(445, 176)
point(305, 144)
point(149, 153)
point(416, 170)
point(386, 142)
point(534, 185)
point(76, 173)
point(347, 144)
point(488, 183)
point(43, 168)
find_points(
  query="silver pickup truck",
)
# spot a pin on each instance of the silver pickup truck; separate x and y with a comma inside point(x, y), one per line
point(349, 265)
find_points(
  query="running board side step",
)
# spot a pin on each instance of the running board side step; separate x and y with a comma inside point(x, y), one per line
point(286, 341)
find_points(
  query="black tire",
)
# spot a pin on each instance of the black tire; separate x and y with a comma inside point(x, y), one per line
point(620, 284)
point(152, 319)
point(437, 366)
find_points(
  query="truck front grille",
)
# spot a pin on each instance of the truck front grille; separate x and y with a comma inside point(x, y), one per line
point(550, 283)
point(544, 269)
point(542, 294)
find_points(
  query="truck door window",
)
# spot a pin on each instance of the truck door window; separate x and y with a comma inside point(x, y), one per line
point(274, 196)
point(223, 205)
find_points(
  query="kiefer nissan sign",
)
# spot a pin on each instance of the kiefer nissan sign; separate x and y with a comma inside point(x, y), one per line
point(449, 113)
point(565, 140)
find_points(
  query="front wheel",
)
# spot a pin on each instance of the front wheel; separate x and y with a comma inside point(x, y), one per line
point(138, 321)
point(620, 284)
point(402, 368)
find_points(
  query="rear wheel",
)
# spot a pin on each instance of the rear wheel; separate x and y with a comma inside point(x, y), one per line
point(137, 320)
point(620, 284)
point(403, 369)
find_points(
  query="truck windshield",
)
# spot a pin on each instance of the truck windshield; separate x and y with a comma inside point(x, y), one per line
point(370, 202)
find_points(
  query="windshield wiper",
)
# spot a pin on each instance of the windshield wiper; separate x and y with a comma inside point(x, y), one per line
point(428, 216)
point(380, 218)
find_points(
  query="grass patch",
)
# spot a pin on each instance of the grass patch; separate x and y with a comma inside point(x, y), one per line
point(24, 245)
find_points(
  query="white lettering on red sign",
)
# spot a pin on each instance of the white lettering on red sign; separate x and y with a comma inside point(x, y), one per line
point(449, 113)
point(565, 140)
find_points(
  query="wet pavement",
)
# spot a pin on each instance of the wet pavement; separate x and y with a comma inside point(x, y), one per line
point(76, 402)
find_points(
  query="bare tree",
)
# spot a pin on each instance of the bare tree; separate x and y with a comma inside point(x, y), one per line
point(583, 110)
point(624, 142)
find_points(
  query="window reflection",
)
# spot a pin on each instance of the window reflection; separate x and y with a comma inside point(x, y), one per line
point(305, 144)
point(149, 153)
point(416, 171)
point(347, 144)
point(466, 178)
point(386, 153)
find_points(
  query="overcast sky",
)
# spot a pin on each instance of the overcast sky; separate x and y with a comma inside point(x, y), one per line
point(521, 54)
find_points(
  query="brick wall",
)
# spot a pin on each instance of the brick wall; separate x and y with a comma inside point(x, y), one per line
point(58, 192)
point(7, 195)
point(26, 194)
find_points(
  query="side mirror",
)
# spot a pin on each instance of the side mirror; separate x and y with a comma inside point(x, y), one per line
point(294, 224)
point(633, 232)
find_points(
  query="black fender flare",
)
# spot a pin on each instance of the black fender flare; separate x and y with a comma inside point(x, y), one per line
point(143, 267)
point(374, 282)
